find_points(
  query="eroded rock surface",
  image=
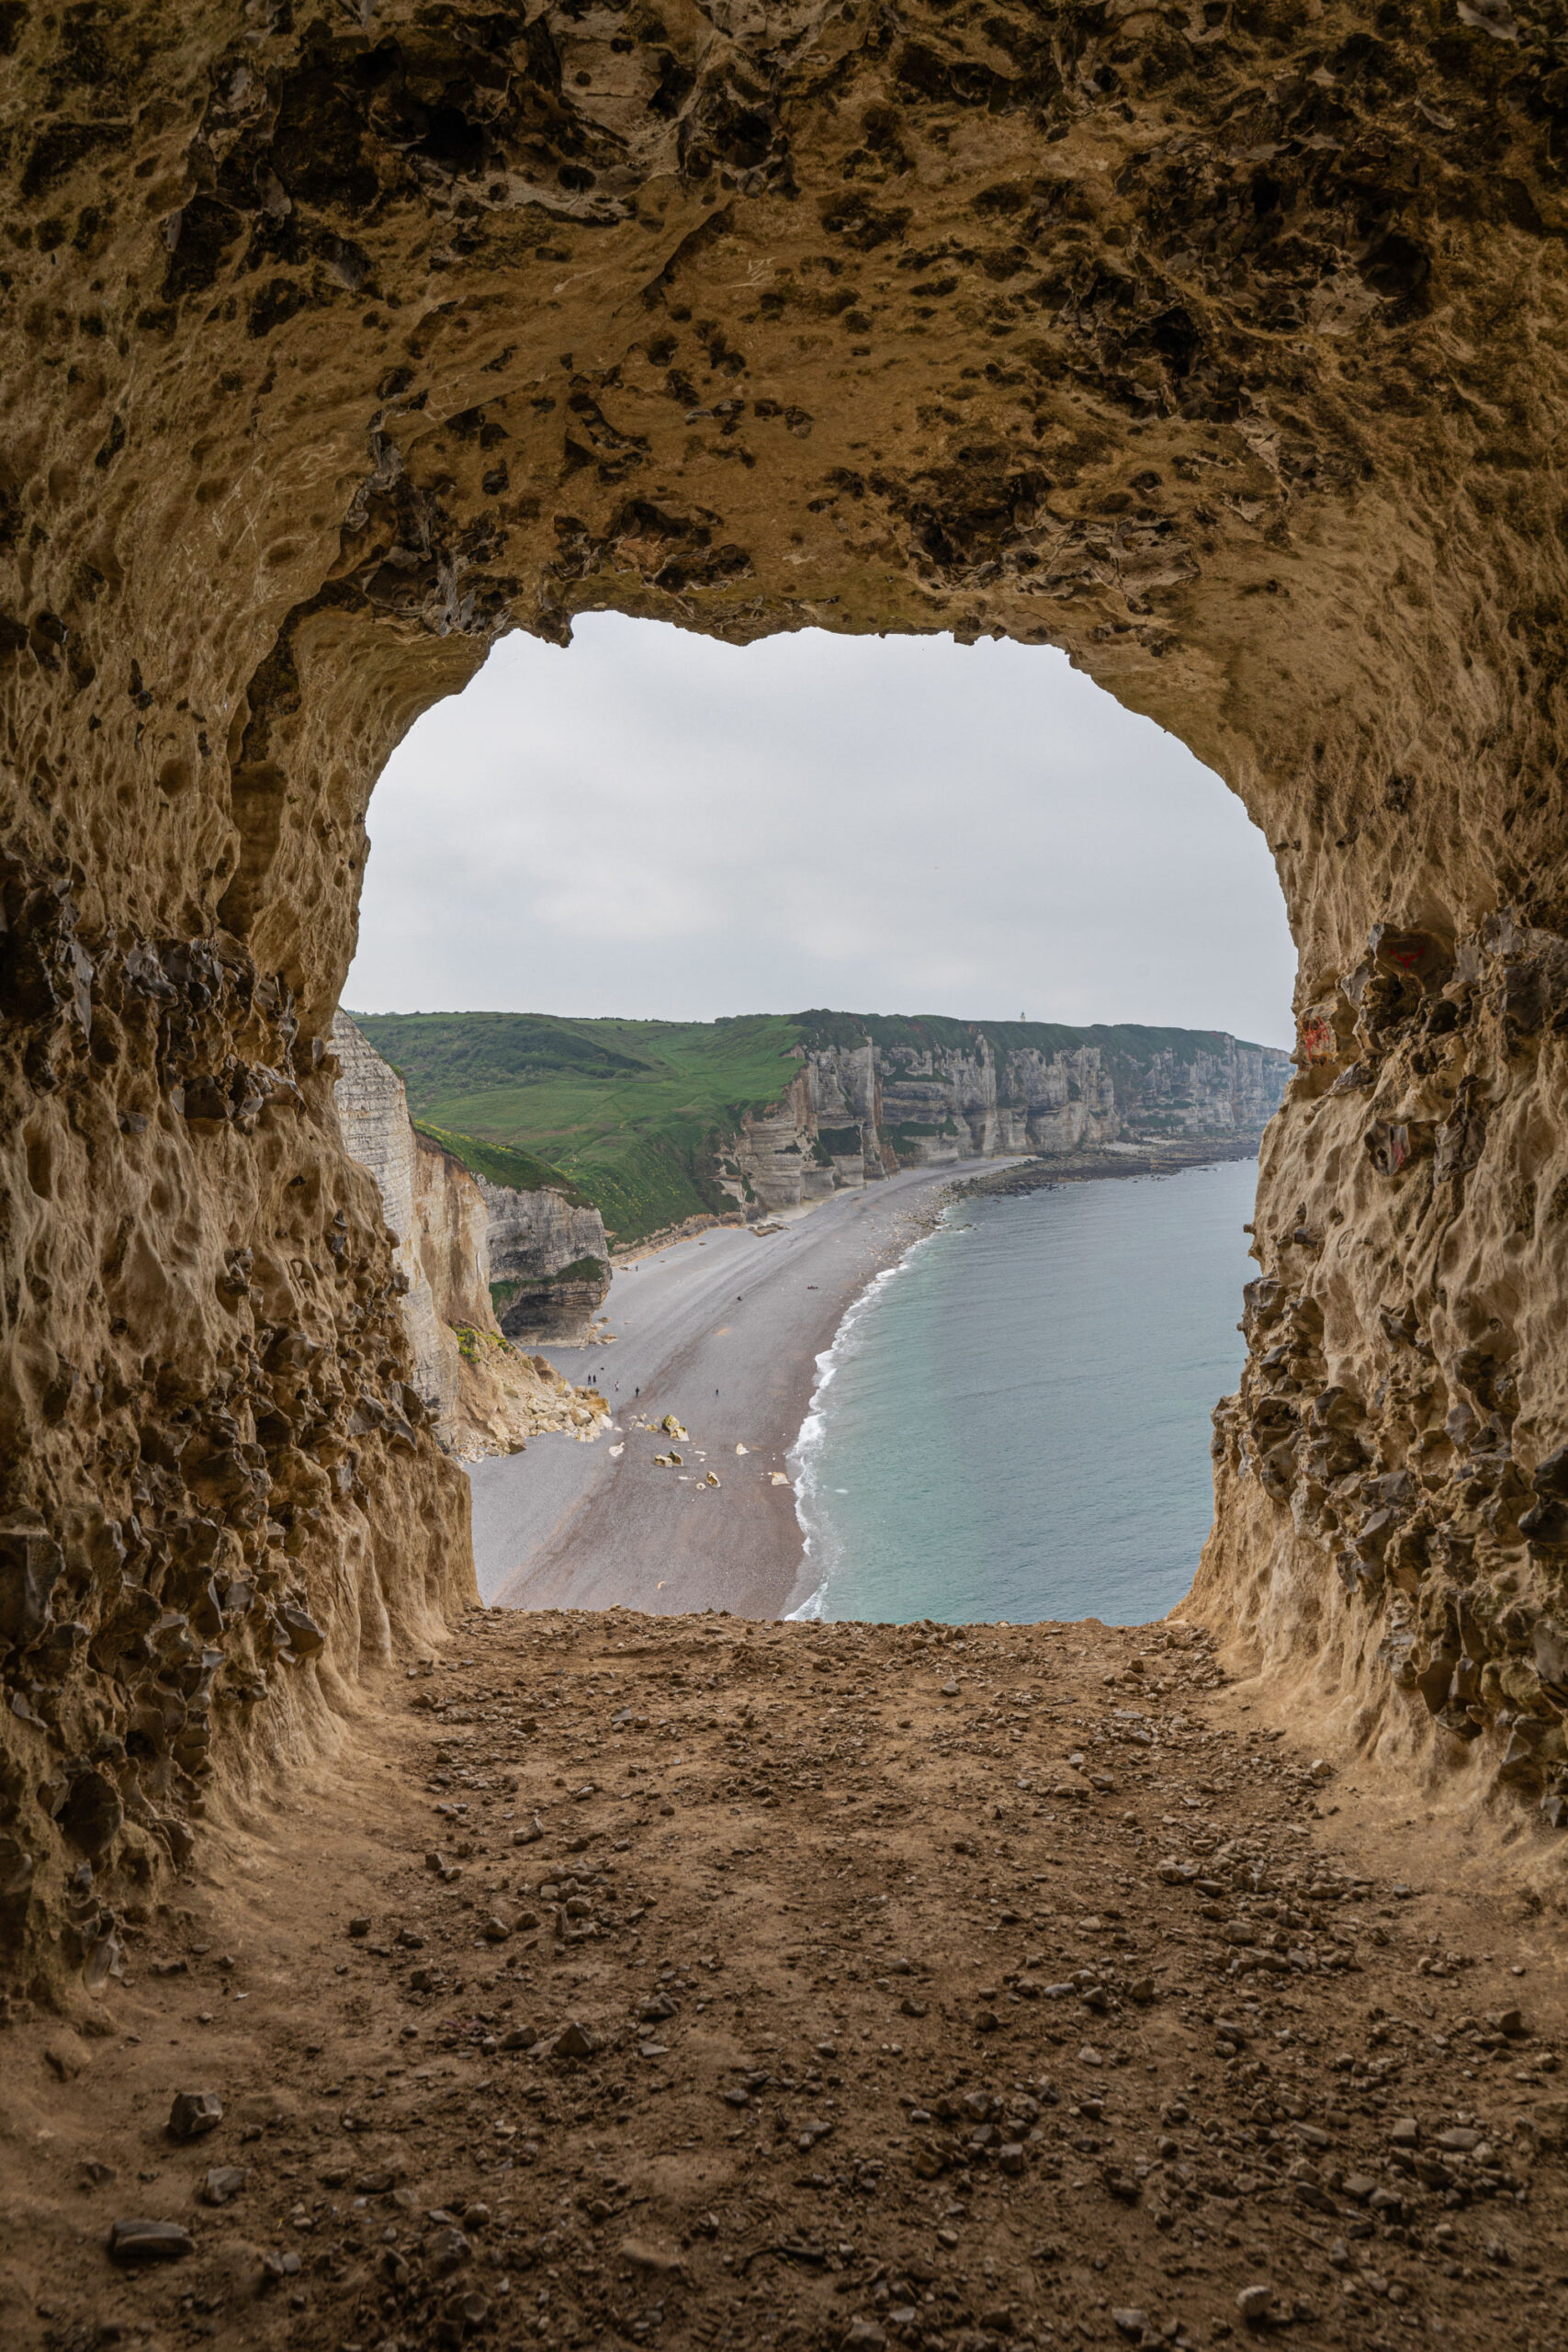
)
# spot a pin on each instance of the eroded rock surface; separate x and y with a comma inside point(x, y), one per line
point(1393, 1493)
point(1223, 345)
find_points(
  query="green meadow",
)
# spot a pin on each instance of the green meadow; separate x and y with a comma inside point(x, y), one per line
point(634, 1114)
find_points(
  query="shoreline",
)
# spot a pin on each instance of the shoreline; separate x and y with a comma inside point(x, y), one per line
point(810, 1576)
point(606, 1524)
point(731, 1333)
point(1171, 1157)
point(1017, 1181)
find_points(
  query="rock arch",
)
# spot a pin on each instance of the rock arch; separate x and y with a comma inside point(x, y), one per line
point(1221, 343)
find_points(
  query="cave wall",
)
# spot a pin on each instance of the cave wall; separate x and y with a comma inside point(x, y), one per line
point(1221, 344)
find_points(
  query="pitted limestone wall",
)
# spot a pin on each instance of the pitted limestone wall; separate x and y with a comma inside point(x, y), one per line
point(1224, 347)
point(1393, 1482)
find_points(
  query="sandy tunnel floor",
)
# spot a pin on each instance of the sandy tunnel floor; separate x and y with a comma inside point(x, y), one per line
point(691, 1980)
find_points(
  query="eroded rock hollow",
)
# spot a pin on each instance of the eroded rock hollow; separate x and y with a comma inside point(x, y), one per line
point(1221, 345)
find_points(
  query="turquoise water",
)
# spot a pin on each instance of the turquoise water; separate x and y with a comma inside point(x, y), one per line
point(1014, 1421)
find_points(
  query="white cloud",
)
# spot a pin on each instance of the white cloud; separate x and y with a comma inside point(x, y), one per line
point(653, 824)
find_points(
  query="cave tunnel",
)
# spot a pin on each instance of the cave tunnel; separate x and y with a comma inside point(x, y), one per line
point(1223, 347)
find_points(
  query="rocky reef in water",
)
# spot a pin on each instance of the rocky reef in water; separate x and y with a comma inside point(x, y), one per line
point(1223, 348)
point(455, 1241)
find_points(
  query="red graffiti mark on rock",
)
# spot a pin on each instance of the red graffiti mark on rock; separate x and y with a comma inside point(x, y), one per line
point(1318, 1042)
point(1416, 953)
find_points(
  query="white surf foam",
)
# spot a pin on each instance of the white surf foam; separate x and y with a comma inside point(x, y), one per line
point(803, 1460)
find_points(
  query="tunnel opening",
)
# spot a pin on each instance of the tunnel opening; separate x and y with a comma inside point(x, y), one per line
point(655, 824)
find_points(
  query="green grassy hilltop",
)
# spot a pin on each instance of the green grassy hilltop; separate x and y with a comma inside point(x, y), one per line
point(634, 1115)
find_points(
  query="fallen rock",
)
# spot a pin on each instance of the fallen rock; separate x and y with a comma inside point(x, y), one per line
point(647, 2253)
point(194, 2113)
point(143, 2241)
point(446, 2250)
point(574, 2041)
point(223, 2184)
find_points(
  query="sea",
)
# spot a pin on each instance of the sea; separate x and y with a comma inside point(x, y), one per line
point(1013, 1421)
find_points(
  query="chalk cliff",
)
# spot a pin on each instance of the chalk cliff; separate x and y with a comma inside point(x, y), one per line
point(930, 1093)
point(483, 1394)
point(1226, 347)
point(549, 1263)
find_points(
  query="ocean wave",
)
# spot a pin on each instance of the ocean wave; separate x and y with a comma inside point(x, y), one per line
point(804, 1457)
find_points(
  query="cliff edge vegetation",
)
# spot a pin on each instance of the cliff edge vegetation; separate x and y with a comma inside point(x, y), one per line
point(657, 1121)
point(629, 1112)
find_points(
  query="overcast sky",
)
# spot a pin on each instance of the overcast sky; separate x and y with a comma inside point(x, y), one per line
point(656, 825)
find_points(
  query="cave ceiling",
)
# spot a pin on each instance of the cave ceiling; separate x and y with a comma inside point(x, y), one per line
point(1218, 343)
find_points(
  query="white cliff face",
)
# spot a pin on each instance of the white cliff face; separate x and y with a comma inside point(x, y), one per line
point(373, 1113)
point(946, 1104)
point(487, 1397)
point(856, 1112)
point(776, 1160)
point(1230, 1085)
point(549, 1263)
point(452, 1225)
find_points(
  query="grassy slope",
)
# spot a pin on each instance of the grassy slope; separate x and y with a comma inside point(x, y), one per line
point(503, 1164)
point(633, 1113)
